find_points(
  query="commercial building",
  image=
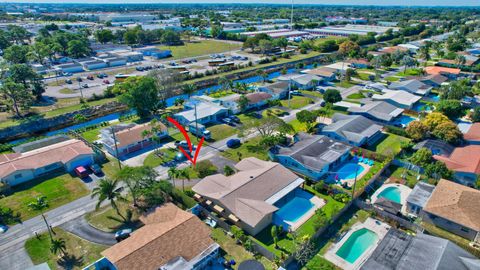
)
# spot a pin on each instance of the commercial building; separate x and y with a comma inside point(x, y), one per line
point(350, 29)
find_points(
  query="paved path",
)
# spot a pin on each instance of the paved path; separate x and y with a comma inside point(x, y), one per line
point(80, 227)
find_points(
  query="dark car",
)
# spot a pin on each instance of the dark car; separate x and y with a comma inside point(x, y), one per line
point(96, 169)
point(235, 119)
point(90, 77)
point(233, 143)
point(227, 121)
point(81, 172)
point(79, 79)
point(122, 234)
point(68, 81)
point(139, 68)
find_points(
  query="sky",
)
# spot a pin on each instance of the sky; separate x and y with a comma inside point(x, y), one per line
point(325, 2)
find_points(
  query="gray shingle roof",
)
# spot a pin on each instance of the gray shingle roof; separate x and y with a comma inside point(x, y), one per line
point(400, 251)
point(380, 110)
point(437, 147)
point(354, 128)
point(420, 194)
point(413, 86)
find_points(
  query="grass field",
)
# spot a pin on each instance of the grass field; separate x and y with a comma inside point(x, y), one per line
point(357, 95)
point(249, 148)
point(389, 144)
point(221, 131)
point(203, 47)
point(80, 252)
point(297, 102)
point(107, 219)
point(58, 190)
point(344, 84)
point(392, 79)
point(410, 72)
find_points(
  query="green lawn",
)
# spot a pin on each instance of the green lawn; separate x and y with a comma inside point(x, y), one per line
point(410, 72)
point(407, 177)
point(297, 102)
point(297, 126)
point(345, 84)
point(364, 76)
point(249, 148)
point(357, 95)
point(157, 158)
point(203, 47)
point(82, 252)
point(392, 79)
point(58, 190)
point(221, 131)
point(107, 219)
point(312, 93)
point(389, 144)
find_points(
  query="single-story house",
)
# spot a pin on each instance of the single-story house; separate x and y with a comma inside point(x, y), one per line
point(206, 113)
point(340, 66)
point(379, 111)
point(417, 199)
point(301, 81)
point(230, 102)
point(401, 251)
point(472, 135)
point(130, 138)
point(257, 100)
point(437, 147)
point(411, 47)
point(470, 61)
point(170, 239)
point(94, 64)
point(248, 198)
point(398, 98)
point(465, 162)
point(412, 86)
point(116, 61)
point(451, 73)
point(454, 208)
point(70, 68)
point(278, 90)
point(327, 74)
point(434, 80)
point(360, 63)
point(378, 87)
point(356, 130)
point(18, 168)
point(311, 155)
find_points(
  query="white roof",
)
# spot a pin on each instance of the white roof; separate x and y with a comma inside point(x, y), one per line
point(398, 96)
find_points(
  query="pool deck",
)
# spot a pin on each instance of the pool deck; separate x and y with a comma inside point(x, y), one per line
point(404, 192)
point(350, 181)
point(371, 224)
point(317, 203)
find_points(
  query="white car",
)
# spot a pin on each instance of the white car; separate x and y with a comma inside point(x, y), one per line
point(3, 228)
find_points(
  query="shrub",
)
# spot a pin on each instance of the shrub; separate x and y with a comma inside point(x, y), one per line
point(205, 168)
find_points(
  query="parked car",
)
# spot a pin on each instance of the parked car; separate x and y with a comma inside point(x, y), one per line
point(173, 64)
point(183, 144)
point(96, 169)
point(3, 228)
point(90, 77)
point(235, 119)
point(227, 121)
point(68, 81)
point(67, 74)
point(102, 75)
point(295, 93)
point(233, 143)
point(85, 85)
point(122, 234)
point(139, 69)
point(106, 81)
point(81, 172)
point(79, 79)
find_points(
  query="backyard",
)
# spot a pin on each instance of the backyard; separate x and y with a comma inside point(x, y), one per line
point(80, 252)
point(390, 144)
point(107, 219)
point(199, 48)
point(58, 190)
point(296, 102)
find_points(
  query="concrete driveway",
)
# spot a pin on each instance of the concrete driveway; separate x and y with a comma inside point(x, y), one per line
point(82, 229)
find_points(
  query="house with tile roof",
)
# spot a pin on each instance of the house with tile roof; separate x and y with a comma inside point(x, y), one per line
point(451, 73)
point(130, 138)
point(311, 155)
point(401, 251)
point(472, 135)
point(18, 168)
point(398, 98)
point(356, 130)
point(170, 239)
point(379, 111)
point(465, 162)
point(249, 197)
point(454, 207)
point(434, 80)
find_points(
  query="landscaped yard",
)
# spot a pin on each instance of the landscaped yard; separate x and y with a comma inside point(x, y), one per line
point(296, 102)
point(157, 158)
point(357, 95)
point(408, 177)
point(410, 72)
point(312, 93)
point(390, 144)
point(221, 131)
point(203, 47)
point(249, 148)
point(107, 219)
point(392, 79)
point(345, 84)
point(58, 190)
point(80, 252)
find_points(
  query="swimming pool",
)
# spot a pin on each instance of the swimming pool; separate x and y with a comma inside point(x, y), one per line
point(358, 242)
point(391, 193)
point(293, 209)
point(420, 107)
point(347, 171)
point(404, 120)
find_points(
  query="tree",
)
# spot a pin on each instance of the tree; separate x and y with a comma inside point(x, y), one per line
point(170, 38)
point(282, 43)
point(7, 216)
point(274, 233)
point(16, 54)
point(136, 179)
point(17, 34)
point(438, 170)
point(460, 61)
point(108, 189)
point(349, 48)
point(456, 90)
point(332, 96)
point(17, 97)
point(173, 173)
point(142, 95)
point(167, 82)
point(417, 130)
point(39, 203)
point(39, 52)
point(130, 37)
point(304, 250)
point(58, 245)
point(24, 74)
point(184, 174)
point(422, 157)
point(266, 126)
point(434, 119)
point(227, 170)
point(327, 46)
point(449, 132)
point(407, 62)
point(309, 118)
point(156, 194)
point(265, 46)
point(349, 73)
point(104, 35)
point(78, 48)
point(189, 89)
point(225, 83)
point(243, 103)
point(250, 43)
point(476, 114)
point(451, 108)
point(4, 41)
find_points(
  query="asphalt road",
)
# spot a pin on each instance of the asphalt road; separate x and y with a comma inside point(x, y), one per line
point(80, 227)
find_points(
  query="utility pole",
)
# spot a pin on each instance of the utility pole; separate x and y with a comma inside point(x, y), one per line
point(48, 227)
point(196, 120)
point(355, 181)
point(116, 147)
point(289, 91)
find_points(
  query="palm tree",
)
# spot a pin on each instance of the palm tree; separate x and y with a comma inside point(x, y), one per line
point(407, 61)
point(189, 89)
point(39, 204)
point(58, 245)
point(184, 174)
point(172, 174)
point(108, 190)
point(460, 60)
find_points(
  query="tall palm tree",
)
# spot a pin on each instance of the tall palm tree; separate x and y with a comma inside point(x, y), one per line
point(184, 174)
point(108, 189)
point(189, 89)
point(172, 174)
point(58, 245)
point(460, 60)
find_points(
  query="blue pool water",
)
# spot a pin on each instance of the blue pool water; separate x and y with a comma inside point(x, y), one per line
point(294, 209)
point(347, 171)
point(420, 107)
point(434, 97)
point(404, 120)
point(358, 242)
point(391, 193)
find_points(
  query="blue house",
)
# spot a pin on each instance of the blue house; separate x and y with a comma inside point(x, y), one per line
point(356, 130)
point(311, 155)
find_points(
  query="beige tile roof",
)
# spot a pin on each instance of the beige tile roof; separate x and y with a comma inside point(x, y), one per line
point(169, 233)
point(59, 152)
point(473, 133)
point(457, 203)
point(134, 134)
